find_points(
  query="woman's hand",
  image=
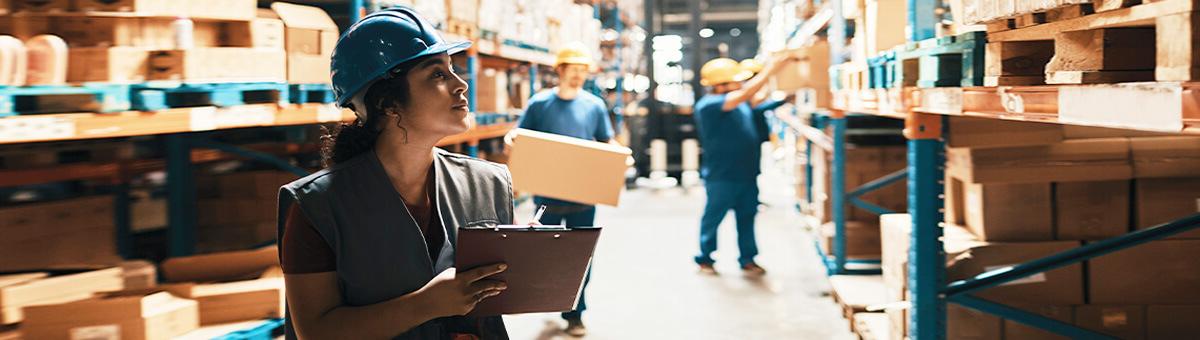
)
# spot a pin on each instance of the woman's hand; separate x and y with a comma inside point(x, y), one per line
point(451, 293)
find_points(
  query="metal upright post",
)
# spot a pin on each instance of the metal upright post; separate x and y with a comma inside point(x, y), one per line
point(181, 196)
point(837, 182)
point(533, 79)
point(922, 21)
point(926, 267)
point(618, 103)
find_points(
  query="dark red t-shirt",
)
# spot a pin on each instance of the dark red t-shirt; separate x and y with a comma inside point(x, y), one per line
point(305, 252)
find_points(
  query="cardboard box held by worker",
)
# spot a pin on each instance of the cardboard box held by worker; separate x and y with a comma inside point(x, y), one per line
point(568, 168)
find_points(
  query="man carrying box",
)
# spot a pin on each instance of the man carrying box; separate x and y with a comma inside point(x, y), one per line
point(568, 110)
point(731, 134)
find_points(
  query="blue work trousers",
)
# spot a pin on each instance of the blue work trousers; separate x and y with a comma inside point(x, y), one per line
point(740, 196)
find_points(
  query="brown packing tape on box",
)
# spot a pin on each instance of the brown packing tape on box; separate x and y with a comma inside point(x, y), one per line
point(132, 317)
point(1162, 200)
point(568, 168)
point(1072, 160)
point(1157, 272)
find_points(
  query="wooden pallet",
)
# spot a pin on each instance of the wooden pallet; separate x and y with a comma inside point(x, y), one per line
point(1117, 43)
point(855, 292)
point(465, 29)
point(872, 326)
point(25, 100)
point(156, 96)
point(1041, 17)
point(48, 154)
point(952, 61)
point(310, 93)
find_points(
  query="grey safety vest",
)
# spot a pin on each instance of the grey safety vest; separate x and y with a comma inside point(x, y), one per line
point(381, 253)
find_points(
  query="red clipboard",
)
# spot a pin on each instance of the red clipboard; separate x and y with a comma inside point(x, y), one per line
point(546, 265)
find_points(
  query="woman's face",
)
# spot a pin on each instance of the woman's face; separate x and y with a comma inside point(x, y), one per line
point(438, 99)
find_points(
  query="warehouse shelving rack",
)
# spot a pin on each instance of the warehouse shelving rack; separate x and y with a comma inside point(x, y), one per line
point(184, 132)
point(926, 111)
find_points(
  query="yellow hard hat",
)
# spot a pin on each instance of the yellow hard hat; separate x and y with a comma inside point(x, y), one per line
point(722, 70)
point(752, 65)
point(573, 53)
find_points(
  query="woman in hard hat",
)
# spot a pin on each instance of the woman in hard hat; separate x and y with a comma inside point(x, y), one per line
point(568, 110)
point(731, 134)
point(367, 244)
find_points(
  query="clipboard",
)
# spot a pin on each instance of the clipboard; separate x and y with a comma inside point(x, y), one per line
point(546, 265)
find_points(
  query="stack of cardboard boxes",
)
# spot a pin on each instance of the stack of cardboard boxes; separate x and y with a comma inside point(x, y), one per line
point(863, 164)
point(136, 41)
point(125, 302)
point(237, 210)
point(808, 78)
point(1020, 191)
point(58, 234)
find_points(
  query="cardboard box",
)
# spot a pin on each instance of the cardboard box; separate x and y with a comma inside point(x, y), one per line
point(1091, 210)
point(107, 64)
point(58, 234)
point(233, 237)
point(896, 230)
point(491, 91)
point(1162, 200)
point(234, 301)
point(1072, 160)
point(985, 132)
point(142, 7)
point(1172, 322)
point(246, 184)
point(136, 317)
point(885, 29)
point(1088, 132)
point(235, 265)
point(1016, 330)
point(1062, 286)
point(463, 11)
point(1008, 212)
point(1157, 272)
point(139, 274)
point(1120, 321)
point(1165, 156)
point(36, 289)
point(568, 168)
point(310, 38)
point(221, 9)
point(148, 213)
point(862, 240)
point(90, 31)
point(812, 71)
point(219, 64)
point(264, 31)
point(969, 324)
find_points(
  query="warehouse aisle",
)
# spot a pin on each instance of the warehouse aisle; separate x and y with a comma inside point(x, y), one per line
point(645, 285)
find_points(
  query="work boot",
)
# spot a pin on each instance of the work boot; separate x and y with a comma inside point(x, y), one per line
point(575, 328)
point(707, 269)
point(753, 269)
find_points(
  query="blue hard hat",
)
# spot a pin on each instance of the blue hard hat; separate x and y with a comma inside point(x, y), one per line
point(378, 43)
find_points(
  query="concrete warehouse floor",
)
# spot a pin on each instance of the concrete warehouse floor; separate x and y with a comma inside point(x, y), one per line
point(645, 285)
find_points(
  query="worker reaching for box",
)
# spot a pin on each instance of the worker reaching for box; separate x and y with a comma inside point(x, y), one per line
point(569, 111)
point(731, 134)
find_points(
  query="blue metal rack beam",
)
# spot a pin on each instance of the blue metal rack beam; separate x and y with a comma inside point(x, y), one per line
point(1030, 319)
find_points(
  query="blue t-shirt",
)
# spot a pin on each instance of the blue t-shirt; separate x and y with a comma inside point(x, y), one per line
point(585, 117)
point(732, 140)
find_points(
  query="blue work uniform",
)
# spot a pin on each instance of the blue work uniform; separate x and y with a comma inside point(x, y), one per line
point(585, 117)
point(732, 143)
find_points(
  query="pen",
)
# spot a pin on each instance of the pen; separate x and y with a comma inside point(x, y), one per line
point(537, 216)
